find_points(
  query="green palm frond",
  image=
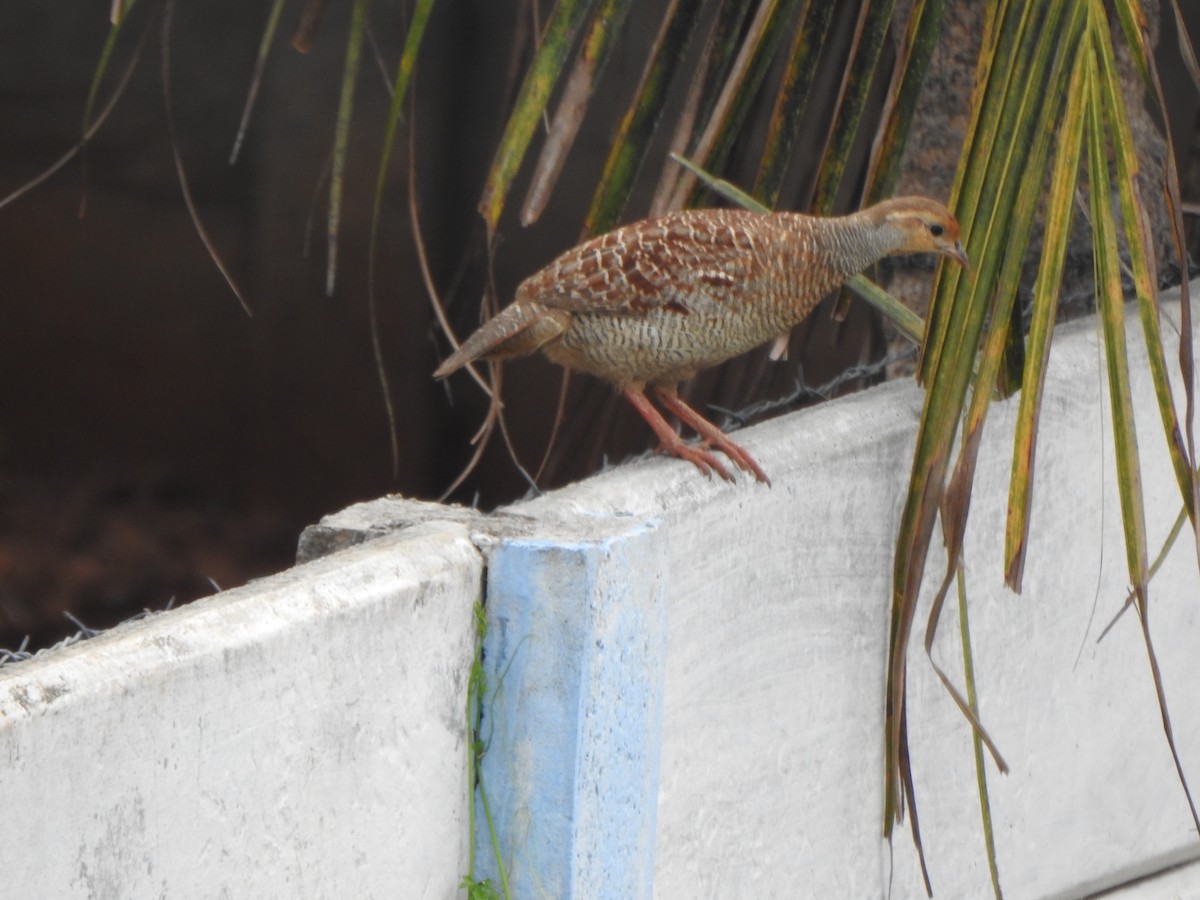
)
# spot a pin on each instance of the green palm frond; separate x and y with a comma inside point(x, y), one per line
point(1049, 71)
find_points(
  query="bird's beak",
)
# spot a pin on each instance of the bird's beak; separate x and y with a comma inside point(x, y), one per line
point(958, 254)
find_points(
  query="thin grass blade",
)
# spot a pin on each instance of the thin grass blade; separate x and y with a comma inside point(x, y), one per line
point(1186, 51)
point(787, 117)
point(912, 63)
point(1111, 302)
point(1137, 36)
point(408, 61)
point(557, 40)
point(1059, 204)
point(1040, 85)
point(341, 136)
point(1050, 76)
point(995, 164)
point(260, 66)
point(754, 57)
point(985, 803)
point(1111, 309)
point(716, 60)
point(908, 77)
point(117, 11)
point(628, 148)
point(907, 322)
point(96, 121)
point(102, 64)
point(874, 19)
point(1003, 30)
point(572, 106)
point(1133, 23)
point(726, 189)
point(1140, 248)
point(184, 185)
point(117, 18)
point(404, 71)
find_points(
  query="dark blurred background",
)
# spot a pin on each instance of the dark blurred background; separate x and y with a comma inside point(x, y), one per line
point(155, 441)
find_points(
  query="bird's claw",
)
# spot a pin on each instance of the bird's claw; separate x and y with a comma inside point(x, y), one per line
point(701, 459)
point(740, 457)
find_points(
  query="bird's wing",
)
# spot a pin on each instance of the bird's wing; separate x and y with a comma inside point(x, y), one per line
point(682, 262)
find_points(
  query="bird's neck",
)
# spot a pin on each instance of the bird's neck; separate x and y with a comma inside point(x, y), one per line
point(855, 242)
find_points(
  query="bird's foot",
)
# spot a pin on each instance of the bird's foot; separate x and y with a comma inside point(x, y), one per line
point(741, 458)
point(712, 435)
point(697, 456)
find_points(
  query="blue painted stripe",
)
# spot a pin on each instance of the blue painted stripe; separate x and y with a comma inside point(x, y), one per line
point(575, 661)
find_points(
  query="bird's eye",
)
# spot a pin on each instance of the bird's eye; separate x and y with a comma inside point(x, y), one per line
point(936, 230)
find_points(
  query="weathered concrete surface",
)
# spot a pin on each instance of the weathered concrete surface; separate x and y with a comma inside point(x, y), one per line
point(303, 736)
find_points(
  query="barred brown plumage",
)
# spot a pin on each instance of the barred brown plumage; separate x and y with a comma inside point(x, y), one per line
point(652, 303)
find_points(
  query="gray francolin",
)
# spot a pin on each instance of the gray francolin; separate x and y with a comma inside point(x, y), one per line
point(652, 303)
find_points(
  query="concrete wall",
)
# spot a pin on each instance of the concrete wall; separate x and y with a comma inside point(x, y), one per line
point(686, 701)
point(303, 736)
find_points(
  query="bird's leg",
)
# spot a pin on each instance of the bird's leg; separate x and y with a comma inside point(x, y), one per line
point(711, 433)
point(671, 442)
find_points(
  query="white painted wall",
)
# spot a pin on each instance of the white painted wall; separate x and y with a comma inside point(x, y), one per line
point(690, 682)
point(303, 736)
point(777, 622)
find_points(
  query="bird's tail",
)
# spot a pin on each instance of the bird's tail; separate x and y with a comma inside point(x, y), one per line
point(520, 329)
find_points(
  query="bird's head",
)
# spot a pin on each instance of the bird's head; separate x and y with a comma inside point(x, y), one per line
point(921, 225)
